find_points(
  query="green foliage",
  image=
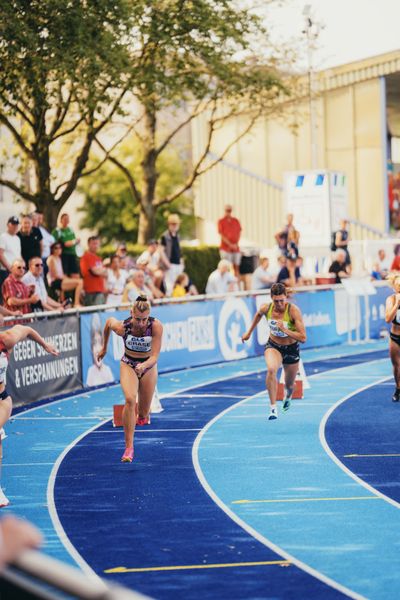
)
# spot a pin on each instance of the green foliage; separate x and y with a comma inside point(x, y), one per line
point(200, 261)
point(109, 207)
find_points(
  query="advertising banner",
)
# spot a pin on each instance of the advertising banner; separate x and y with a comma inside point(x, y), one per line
point(33, 374)
point(196, 333)
point(205, 332)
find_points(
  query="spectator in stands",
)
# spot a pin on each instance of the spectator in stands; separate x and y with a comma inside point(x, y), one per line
point(47, 238)
point(172, 255)
point(116, 281)
point(381, 267)
point(288, 237)
point(341, 241)
point(125, 260)
point(150, 278)
point(16, 295)
point(339, 266)
point(229, 228)
point(290, 274)
point(156, 263)
point(34, 277)
point(65, 234)
point(135, 287)
point(222, 280)
point(58, 282)
point(31, 239)
point(16, 536)
point(10, 247)
point(396, 260)
point(94, 274)
point(262, 277)
point(181, 286)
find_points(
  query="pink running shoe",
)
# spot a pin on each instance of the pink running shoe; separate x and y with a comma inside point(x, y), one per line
point(127, 455)
point(143, 420)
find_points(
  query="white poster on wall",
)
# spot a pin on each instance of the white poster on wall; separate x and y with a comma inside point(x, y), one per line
point(317, 200)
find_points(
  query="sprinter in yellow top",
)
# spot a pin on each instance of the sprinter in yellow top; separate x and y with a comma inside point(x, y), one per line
point(283, 348)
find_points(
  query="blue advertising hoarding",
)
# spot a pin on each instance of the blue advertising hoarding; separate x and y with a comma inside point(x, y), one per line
point(204, 332)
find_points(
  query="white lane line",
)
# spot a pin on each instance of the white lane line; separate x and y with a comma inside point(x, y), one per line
point(59, 529)
point(336, 460)
point(255, 534)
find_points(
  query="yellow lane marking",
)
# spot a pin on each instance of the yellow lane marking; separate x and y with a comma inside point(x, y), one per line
point(367, 455)
point(209, 566)
point(306, 500)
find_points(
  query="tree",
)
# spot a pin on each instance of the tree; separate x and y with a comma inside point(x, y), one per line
point(108, 207)
point(193, 57)
point(65, 68)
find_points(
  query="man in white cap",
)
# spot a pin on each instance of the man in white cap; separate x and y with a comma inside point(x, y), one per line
point(10, 247)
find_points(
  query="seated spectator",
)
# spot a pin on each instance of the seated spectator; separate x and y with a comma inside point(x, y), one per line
point(116, 281)
point(290, 274)
point(136, 286)
point(34, 278)
point(142, 264)
point(16, 295)
point(126, 261)
point(222, 279)
point(157, 263)
point(262, 277)
point(381, 267)
point(58, 282)
point(181, 285)
point(305, 280)
point(339, 266)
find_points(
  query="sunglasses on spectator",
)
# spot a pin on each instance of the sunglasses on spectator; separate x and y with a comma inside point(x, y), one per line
point(20, 267)
point(38, 265)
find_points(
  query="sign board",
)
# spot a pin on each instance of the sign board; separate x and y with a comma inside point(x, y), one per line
point(318, 201)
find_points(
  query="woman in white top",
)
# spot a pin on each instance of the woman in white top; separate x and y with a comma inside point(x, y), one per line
point(116, 280)
point(57, 279)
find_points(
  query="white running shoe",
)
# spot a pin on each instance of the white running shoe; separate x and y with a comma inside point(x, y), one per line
point(273, 414)
point(4, 501)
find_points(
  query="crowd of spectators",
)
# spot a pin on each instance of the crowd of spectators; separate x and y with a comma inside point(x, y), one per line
point(42, 270)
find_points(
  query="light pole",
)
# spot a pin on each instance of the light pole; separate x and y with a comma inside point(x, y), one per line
point(311, 30)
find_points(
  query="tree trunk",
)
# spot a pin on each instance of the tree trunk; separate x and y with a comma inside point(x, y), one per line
point(147, 225)
point(147, 218)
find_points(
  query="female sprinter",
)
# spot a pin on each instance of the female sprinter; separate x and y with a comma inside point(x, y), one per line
point(8, 339)
point(392, 316)
point(282, 349)
point(142, 341)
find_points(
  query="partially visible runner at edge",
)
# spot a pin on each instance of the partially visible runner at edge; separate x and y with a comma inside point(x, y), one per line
point(8, 339)
point(142, 336)
point(392, 315)
point(282, 348)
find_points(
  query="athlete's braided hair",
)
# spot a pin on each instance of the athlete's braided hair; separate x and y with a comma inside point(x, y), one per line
point(142, 303)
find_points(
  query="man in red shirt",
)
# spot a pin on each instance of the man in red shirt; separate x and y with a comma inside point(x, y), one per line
point(229, 229)
point(93, 274)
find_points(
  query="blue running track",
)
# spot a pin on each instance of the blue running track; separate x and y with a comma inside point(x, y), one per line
point(219, 502)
